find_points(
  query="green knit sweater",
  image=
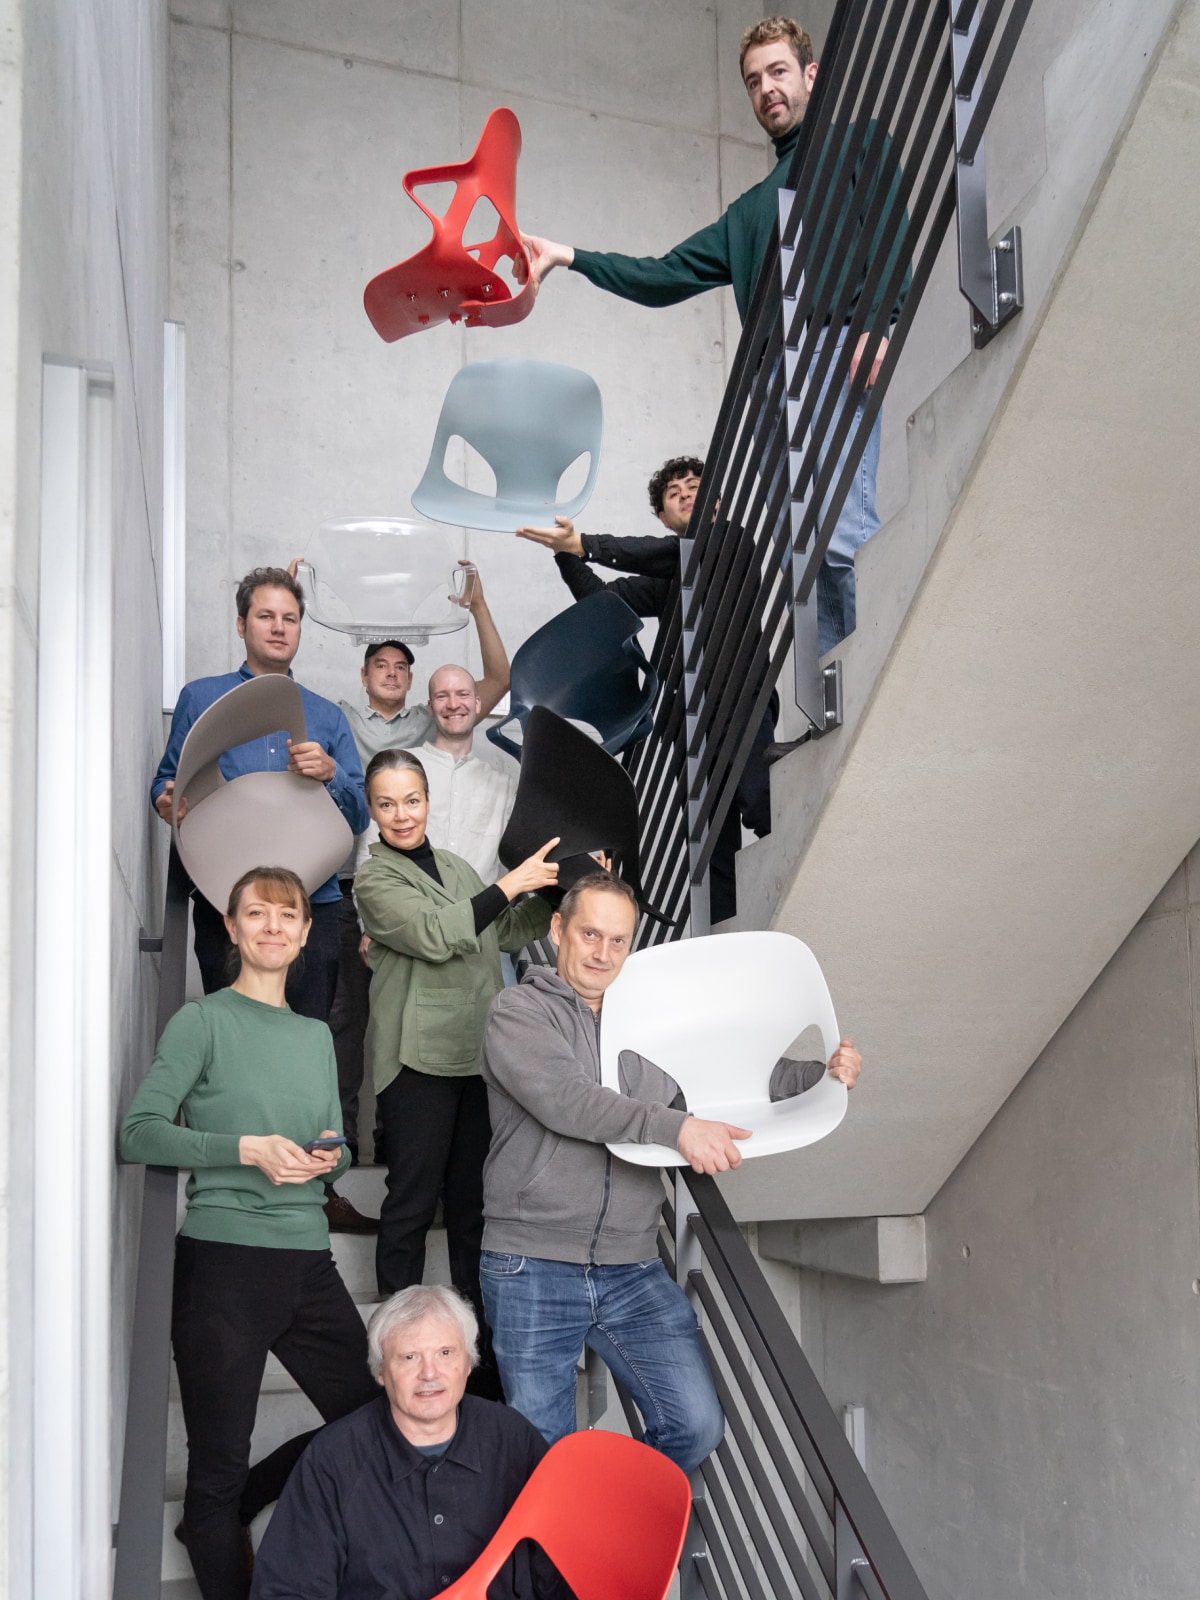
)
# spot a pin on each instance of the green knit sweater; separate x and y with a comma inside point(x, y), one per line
point(732, 249)
point(236, 1066)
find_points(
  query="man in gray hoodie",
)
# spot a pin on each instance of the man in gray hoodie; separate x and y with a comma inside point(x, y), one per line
point(569, 1245)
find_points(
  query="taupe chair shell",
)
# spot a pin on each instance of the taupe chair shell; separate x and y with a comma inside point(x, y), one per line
point(260, 819)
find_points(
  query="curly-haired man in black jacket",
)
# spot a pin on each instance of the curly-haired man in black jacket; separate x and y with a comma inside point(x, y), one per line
point(653, 562)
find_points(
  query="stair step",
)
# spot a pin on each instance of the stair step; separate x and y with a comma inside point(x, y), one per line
point(364, 1188)
point(180, 1589)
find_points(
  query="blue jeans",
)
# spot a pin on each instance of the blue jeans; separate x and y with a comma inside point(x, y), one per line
point(856, 522)
point(636, 1319)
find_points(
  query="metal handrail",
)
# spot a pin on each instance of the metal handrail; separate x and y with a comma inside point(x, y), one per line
point(927, 75)
point(137, 1537)
point(785, 1505)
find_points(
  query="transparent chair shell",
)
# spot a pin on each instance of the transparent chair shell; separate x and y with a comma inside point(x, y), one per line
point(260, 819)
point(717, 1013)
point(530, 421)
point(378, 578)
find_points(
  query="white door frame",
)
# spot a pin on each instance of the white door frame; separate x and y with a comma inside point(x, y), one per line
point(73, 1134)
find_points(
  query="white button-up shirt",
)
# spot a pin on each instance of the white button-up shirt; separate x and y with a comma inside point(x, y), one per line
point(470, 802)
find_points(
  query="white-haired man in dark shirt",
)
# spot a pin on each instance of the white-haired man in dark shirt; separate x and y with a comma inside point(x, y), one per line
point(400, 1497)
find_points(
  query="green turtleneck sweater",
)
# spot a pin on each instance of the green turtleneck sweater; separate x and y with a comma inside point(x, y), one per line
point(731, 250)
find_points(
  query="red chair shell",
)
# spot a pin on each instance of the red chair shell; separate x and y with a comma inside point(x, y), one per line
point(451, 280)
point(610, 1513)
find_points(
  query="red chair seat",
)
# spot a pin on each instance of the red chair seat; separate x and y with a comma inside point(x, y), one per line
point(449, 279)
point(609, 1512)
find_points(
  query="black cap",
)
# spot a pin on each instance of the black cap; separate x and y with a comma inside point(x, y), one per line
point(389, 644)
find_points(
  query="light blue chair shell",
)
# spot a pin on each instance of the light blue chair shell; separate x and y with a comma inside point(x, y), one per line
point(529, 420)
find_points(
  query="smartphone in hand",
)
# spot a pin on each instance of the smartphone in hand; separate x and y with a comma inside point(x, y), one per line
point(333, 1142)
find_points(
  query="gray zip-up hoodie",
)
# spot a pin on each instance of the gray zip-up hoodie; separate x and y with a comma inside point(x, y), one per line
point(550, 1188)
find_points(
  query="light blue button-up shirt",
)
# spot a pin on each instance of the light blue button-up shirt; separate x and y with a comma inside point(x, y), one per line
point(326, 726)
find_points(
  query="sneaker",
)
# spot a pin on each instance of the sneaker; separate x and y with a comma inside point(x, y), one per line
point(345, 1218)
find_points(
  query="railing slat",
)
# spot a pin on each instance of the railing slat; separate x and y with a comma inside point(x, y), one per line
point(791, 1380)
point(796, 1497)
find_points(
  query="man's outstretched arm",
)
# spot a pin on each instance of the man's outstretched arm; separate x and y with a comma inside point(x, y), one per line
point(651, 555)
point(701, 262)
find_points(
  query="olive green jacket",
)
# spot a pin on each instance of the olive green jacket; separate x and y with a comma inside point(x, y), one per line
point(432, 977)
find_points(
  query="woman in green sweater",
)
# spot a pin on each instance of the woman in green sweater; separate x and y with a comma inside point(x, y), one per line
point(436, 937)
point(253, 1271)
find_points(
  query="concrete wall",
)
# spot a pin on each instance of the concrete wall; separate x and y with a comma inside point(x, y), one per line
point(291, 127)
point(83, 218)
point(1033, 1409)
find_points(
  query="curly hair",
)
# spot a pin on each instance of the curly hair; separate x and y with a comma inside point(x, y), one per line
point(676, 467)
point(772, 28)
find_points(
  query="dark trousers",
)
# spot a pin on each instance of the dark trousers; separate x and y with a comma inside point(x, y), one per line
point(751, 808)
point(311, 980)
point(348, 1018)
point(436, 1132)
point(232, 1305)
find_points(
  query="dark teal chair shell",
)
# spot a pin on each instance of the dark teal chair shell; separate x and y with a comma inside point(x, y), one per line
point(586, 665)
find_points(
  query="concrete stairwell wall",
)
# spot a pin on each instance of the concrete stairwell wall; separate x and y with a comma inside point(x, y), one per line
point(292, 124)
point(1016, 775)
point(1033, 1407)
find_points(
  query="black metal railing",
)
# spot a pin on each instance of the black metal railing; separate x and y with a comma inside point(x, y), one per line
point(783, 1507)
point(892, 135)
point(138, 1535)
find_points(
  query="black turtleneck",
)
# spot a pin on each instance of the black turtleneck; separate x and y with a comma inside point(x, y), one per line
point(486, 905)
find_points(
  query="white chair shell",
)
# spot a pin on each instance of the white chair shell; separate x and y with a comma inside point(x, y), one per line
point(717, 1013)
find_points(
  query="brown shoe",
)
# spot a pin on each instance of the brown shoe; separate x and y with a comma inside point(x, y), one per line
point(345, 1218)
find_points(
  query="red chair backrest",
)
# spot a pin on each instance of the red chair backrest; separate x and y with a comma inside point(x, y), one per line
point(610, 1513)
point(453, 279)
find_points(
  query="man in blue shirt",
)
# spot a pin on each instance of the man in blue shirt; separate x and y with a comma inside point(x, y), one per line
point(270, 606)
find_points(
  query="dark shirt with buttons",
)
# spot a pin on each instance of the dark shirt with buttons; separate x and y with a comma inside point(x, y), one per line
point(368, 1516)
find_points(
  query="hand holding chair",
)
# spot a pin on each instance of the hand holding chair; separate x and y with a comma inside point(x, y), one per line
point(717, 1013)
point(585, 664)
point(449, 279)
point(259, 819)
point(610, 1513)
point(530, 421)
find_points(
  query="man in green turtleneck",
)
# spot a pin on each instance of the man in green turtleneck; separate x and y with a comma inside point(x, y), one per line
point(778, 71)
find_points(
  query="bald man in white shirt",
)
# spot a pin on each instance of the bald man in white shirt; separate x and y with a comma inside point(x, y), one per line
point(469, 800)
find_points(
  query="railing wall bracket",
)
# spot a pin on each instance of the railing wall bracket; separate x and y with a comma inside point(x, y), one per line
point(990, 276)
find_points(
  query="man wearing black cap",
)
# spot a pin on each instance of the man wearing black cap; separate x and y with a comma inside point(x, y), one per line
point(389, 723)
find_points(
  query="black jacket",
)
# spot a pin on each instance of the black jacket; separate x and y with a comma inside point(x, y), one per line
point(654, 559)
point(365, 1514)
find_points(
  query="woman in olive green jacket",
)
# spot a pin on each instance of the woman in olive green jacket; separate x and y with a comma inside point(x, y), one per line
point(436, 935)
